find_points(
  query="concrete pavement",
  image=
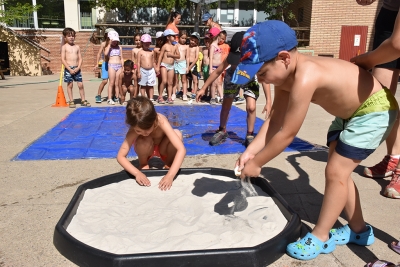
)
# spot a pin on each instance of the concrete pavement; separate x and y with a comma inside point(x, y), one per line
point(34, 194)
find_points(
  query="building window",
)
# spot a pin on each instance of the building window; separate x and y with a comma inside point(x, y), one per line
point(87, 15)
point(227, 13)
point(300, 15)
point(246, 14)
point(26, 22)
point(51, 15)
point(261, 16)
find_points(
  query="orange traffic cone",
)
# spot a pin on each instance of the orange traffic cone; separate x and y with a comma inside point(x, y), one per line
point(60, 99)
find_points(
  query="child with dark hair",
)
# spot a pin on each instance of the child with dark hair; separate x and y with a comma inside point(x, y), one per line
point(125, 81)
point(135, 51)
point(160, 41)
point(193, 58)
point(72, 60)
point(181, 65)
point(151, 134)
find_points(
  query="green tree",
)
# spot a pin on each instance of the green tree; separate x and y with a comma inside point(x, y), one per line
point(126, 8)
point(19, 11)
point(276, 9)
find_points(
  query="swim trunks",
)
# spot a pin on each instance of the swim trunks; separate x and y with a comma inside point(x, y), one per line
point(180, 67)
point(193, 70)
point(206, 72)
point(104, 70)
point(69, 78)
point(367, 128)
point(167, 66)
point(251, 89)
point(156, 153)
point(115, 66)
point(148, 77)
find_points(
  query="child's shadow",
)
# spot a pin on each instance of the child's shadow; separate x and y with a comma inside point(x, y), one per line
point(206, 136)
point(307, 201)
point(235, 198)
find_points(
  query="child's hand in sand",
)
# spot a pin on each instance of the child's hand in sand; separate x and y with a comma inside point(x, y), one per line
point(250, 170)
point(242, 161)
point(142, 179)
point(165, 183)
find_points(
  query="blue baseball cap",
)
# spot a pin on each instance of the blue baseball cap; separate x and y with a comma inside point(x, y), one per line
point(206, 17)
point(261, 43)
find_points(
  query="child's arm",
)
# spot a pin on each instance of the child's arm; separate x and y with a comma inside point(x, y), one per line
point(187, 57)
point(278, 131)
point(167, 180)
point(122, 58)
point(107, 49)
point(138, 75)
point(196, 51)
point(175, 53)
point(79, 60)
point(211, 56)
point(120, 80)
point(160, 57)
point(267, 92)
point(213, 76)
point(126, 164)
point(99, 55)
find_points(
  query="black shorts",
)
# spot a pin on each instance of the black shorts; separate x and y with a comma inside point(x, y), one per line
point(383, 30)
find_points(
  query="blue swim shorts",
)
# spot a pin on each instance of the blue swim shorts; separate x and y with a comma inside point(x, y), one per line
point(104, 70)
point(180, 67)
point(69, 78)
point(367, 128)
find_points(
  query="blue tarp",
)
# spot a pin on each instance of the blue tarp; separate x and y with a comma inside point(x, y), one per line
point(99, 132)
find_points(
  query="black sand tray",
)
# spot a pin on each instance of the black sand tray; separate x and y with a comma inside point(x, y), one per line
point(257, 256)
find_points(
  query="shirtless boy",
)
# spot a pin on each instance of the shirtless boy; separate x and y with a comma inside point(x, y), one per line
point(365, 113)
point(193, 57)
point(71, 58)
point(125, 81)
point(135, 51)
point(146, 74)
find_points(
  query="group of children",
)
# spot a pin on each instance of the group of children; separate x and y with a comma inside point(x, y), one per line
point(365, 113)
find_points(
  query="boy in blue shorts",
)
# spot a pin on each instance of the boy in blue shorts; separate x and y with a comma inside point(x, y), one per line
point(251, 92)
point(72, 59)
point(365, 113)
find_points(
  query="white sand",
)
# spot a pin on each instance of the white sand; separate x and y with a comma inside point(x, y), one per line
point(200, 212)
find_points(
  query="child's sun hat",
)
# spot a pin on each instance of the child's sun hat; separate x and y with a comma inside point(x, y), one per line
point(214, 31)
point(145, 38)
point(261, 43)
point(196, 34)
point(159, 34)
point(168, 32)
point(113, 35)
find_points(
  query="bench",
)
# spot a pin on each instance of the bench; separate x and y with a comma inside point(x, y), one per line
point(2, 73)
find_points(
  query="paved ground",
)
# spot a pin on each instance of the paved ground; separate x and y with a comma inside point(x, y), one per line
point(34, 194)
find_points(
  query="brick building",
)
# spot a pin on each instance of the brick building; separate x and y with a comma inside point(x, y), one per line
point(332, 25)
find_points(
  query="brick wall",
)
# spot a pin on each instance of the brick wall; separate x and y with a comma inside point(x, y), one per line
point(51, 40)
point(329, 16)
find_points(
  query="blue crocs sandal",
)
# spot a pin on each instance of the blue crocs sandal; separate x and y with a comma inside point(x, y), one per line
point(309, 247)
point(344, 235)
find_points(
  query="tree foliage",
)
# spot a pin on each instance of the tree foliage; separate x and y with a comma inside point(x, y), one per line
point(276, 9)
point(126, 8)
point(19, 11)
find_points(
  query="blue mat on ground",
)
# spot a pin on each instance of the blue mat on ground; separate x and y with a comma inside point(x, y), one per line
point(89, 133)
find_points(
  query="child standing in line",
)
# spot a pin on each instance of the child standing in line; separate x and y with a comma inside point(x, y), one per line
point(206, 65)
point(125, 81)
point(165, 65)
point(231, 90)
point(104, 64)
point(157, 50)
point(135, 51)
point(115, 62)
point(181, 64)
point(151, 134)
point(72, 60)
point(364, 111)
point(215, 60)
point(193, 57)
point(225, 51)
point(145, 73)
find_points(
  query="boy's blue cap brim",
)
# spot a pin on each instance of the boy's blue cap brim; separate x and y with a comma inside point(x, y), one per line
point(245, 72)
